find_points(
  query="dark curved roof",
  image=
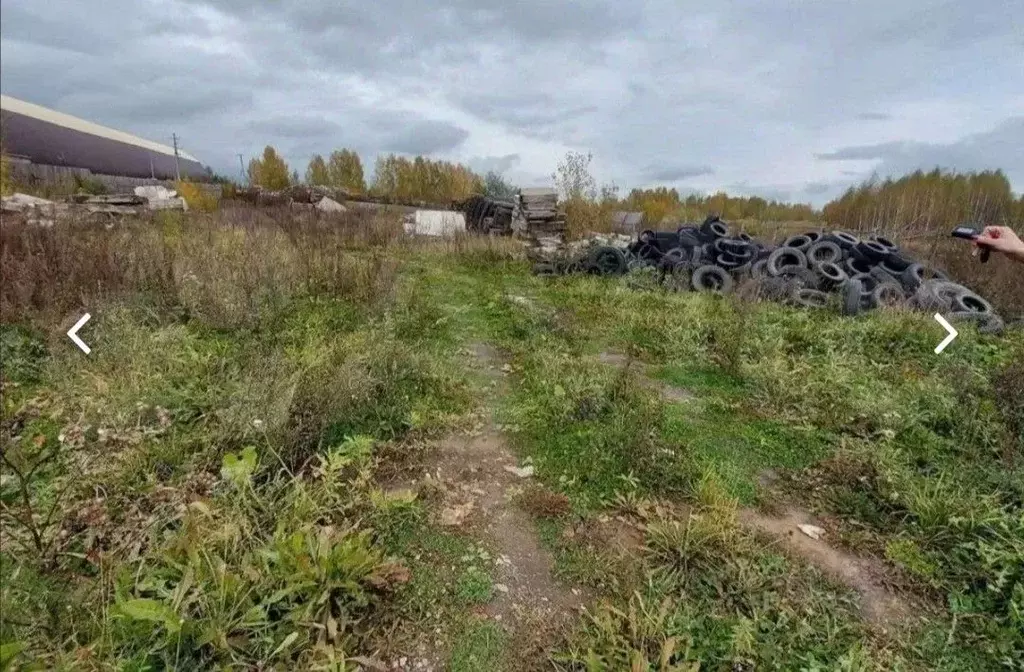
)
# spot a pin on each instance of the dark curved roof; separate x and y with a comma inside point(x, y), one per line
point(48, 137)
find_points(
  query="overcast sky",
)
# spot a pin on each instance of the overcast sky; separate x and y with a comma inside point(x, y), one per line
point(791, 99)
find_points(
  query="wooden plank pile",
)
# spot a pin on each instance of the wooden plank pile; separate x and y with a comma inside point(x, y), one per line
point(539, 208)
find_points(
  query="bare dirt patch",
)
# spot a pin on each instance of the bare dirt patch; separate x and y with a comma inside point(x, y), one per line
point(669, 393)
point(879, 604)
point(479, 479)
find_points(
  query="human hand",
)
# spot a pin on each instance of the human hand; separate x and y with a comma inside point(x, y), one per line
point(1001, 239)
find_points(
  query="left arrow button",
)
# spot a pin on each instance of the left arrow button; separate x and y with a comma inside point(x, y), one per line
point(73, 333)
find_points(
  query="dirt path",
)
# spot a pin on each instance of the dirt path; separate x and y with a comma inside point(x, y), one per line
point(669, 393)
point(480, 477)
point(878, 603)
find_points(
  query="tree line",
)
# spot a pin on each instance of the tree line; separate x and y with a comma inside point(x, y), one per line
point(660, 203)
point(917, 202)
point(396, 177)
point(932, 201)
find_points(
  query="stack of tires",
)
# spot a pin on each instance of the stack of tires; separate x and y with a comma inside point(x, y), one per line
point(803, 271)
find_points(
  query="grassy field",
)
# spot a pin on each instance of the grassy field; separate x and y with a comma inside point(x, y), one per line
point(214, 486)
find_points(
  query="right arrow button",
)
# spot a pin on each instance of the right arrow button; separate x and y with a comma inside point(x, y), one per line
point(953, 333)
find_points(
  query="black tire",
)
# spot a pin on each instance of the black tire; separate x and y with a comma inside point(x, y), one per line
point(785, 256)
point(988, 323)
point(888, 295)
point(824, 252)
point(713, 228)
point(883, 276)
point(969, 302)
point(712, 279)
point(814, 236)
point(545, 269)
point(915, 274)
point(868, 282)
point(676, 254)
point(737, 248)
point(810, 298)
point(797, 242)
point(742, 271)
point(896, 264)
point(759, 269)
point(648, 252)
point(728, 261)
point(853, 294)
point(843, 239)
point(856, 266)
point(688, 240)
point(926, 298)
point(948, 291)
point(697, 256)
point(830, 275)
point(745, 237)
point(608, 261)
point(892, 270)
point(874, 252)
point(886, 243)
point(804, 277)
point(646, 236)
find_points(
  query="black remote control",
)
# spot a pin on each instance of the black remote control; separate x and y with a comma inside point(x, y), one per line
point(970, 233)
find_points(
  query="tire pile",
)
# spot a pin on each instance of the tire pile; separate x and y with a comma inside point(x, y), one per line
point(806, 270)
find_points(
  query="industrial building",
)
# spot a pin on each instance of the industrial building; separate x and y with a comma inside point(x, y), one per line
point(46, 137)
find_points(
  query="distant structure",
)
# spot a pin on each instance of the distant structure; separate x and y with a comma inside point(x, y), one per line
point(46, 137)
point(627, 222)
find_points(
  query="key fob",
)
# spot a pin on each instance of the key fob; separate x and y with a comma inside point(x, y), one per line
point(969, 233)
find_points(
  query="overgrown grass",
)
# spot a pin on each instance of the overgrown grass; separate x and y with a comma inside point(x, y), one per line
point(201, 489)
point(782, 390)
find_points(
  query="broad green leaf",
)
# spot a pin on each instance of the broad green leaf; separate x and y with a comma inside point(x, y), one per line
point(239, 468)
point(151, 610)
point(7, 653)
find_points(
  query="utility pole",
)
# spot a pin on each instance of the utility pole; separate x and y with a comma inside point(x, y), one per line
point(177, 166)
point(241, 167)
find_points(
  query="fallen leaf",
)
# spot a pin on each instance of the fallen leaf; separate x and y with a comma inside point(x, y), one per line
point(455, 515)
point(812, 531)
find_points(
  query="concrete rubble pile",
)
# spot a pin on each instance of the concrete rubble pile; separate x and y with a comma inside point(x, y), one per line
point(813, 270)
point(44, 212)
point(320, 199)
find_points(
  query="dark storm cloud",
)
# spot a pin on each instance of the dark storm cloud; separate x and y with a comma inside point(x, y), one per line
point(676, 173)
point(755, 89)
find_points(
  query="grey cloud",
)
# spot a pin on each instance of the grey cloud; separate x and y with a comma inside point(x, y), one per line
point(676, 173)
point(295, 127)
point(497, 164)
point(426, 137)
point(748, 86)
point(817, 188)
point(874, 116)
point(998, 148)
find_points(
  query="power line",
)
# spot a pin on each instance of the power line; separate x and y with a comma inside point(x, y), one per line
point(177, 166)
